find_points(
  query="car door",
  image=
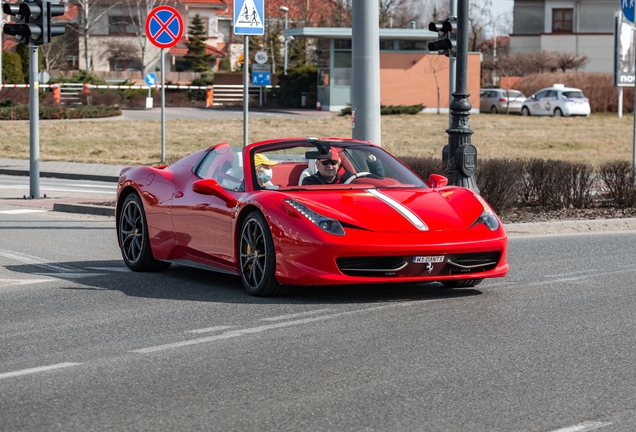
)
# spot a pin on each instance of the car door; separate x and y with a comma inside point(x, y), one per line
point(549, 101)
point(536, 104)
point(204, 223)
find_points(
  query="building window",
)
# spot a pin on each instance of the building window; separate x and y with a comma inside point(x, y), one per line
point(387, 45)
point(411, 45)
point(124, 65)
point(562, 20)
point(122, 24)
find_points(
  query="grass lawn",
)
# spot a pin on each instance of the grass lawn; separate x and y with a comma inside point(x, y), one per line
point(593, 139)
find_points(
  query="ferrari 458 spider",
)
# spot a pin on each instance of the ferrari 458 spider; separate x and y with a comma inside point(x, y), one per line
point(306, 212)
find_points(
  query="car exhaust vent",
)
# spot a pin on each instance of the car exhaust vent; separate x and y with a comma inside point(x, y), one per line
point(471, 263)
point(371, 266)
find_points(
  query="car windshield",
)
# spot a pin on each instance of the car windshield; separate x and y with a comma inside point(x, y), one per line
point(573, 94)
point(332, 165)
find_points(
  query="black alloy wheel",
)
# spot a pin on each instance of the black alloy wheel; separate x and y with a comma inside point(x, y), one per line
point(133, 237)
point(257, 258)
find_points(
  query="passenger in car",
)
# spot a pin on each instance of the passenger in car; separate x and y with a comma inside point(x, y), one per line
point(263, 166)
point(329, 164)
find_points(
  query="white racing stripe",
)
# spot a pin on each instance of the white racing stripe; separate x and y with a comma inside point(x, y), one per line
point(37, 370)
point(583, 427)
point(401, 209)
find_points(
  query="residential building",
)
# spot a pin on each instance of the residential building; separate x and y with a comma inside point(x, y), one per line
point(584, 27)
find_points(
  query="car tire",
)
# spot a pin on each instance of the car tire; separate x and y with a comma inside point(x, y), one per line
point(558, 112)
point(134, 240)
point(257, 257)
point(525, 112)
point(493, 110)
point(463, 283)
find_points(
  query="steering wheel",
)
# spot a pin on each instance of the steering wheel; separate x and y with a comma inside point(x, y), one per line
point(357, 175)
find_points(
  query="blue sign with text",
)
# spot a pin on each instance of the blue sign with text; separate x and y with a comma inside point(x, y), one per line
point(261, 78)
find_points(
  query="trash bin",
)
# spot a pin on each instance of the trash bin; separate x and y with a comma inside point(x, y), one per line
point(303, 99)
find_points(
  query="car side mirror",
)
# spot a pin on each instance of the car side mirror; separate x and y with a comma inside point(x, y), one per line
point(212, 187)
point(437, 181)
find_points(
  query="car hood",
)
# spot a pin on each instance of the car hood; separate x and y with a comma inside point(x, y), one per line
point(397, 210)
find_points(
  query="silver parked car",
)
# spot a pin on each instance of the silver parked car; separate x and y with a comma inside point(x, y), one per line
point(501, 101)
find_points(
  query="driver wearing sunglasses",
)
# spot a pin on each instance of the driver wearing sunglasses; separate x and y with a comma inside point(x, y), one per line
point(328, 166)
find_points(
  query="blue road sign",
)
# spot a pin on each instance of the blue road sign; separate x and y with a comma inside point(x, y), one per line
point(164, 26)
point(261, 78)
point(151, 78)
point(628, 9)
point(249, 16)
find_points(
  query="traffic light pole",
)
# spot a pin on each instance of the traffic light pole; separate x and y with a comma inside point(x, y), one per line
point(462, 155)
point(34, 123)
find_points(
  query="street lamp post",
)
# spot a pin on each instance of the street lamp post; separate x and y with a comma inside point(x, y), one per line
point(286, 10)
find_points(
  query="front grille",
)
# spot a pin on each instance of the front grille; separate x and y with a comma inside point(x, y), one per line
point(370, 266)
point(406, 266)
point(471, 263)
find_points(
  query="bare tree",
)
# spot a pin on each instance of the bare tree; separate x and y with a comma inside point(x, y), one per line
point(138, 10)
point(91, 12)
point(54, 54)
point(436, 65)
point(566, 60)
point(399, 13)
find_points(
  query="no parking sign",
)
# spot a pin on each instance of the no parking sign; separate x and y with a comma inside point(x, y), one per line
point(164, 26)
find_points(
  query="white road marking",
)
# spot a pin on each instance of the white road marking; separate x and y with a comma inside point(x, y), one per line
point(16, 282)
point(210, 329)
point(22, 211)
point(70, 275)
point(28, 259)
point(296, 315)
point(37, 369)
point(583, 427)
point(259, 329)
point(550, 281)
point(74, 188)
point(113, 269)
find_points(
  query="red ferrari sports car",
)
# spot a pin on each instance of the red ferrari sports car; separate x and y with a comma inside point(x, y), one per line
point(306, 211)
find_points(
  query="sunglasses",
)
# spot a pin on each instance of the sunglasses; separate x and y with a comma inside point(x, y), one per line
point(329, 162)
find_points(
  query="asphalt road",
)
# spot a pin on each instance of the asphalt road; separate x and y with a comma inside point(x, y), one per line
point(87, 345)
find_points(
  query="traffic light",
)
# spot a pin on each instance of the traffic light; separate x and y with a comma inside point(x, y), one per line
point(447, 42)
point(33, 24)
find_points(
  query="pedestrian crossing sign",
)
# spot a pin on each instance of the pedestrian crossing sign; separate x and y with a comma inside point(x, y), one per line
point(248, 17)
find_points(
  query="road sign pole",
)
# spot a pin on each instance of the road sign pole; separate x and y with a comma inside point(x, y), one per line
point(163, 106)
point(246, 83)
point(34, 124)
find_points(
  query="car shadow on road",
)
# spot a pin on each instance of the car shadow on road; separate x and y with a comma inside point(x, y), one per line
point(191, 284)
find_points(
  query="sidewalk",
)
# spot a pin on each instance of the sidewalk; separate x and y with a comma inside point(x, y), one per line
point(65, 170)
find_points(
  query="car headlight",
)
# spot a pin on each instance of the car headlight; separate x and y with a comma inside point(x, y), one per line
point(325, 223)
point(488, 217)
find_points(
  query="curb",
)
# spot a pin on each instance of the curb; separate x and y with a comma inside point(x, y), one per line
point(84, 209)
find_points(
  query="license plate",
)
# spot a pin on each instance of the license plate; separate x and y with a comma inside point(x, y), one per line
point(428, 259)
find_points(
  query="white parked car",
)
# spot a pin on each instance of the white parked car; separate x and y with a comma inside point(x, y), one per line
point(557, 100)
